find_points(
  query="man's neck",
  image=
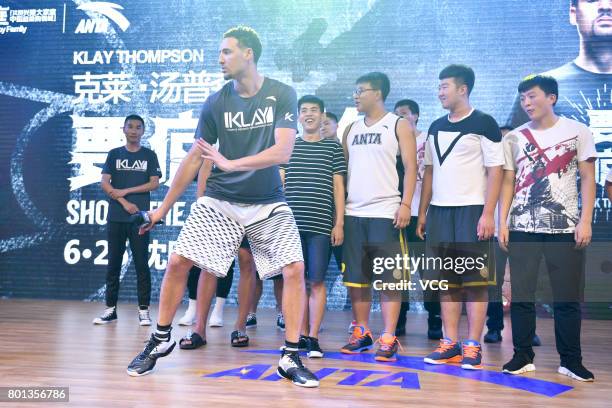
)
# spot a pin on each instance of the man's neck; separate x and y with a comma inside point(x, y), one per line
point(375, 114)
point(595, 56)
point(545, 122)
point(312, 137)
point(248, 84)
point(460, 111)
point(132, 147)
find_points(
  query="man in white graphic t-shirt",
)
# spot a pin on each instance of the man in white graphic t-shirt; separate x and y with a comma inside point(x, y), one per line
point(539, 218)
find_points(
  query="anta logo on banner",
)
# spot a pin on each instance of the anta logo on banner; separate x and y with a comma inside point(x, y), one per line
point(100, 24)
point(138, 165)
point(261, 117)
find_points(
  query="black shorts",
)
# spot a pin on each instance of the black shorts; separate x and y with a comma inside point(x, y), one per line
point(453, 251)
point(365, 240)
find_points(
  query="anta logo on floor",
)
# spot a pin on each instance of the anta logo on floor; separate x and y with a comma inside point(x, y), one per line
point(381, 376)
point(348, 376)
point(237, 120)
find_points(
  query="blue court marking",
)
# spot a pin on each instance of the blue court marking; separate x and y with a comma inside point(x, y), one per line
point(541, 387)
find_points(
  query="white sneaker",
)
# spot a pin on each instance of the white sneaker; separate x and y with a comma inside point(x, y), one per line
point(144, 318)
point(189, 317)
point(216, 318)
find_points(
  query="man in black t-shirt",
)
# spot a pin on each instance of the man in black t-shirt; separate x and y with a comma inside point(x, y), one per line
point(130, 173)
point(253, 119)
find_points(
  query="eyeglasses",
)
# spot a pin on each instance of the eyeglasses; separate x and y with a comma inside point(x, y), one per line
point(359, 91)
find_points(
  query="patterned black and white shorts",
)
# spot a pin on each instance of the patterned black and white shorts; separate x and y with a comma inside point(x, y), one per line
point(214, 230)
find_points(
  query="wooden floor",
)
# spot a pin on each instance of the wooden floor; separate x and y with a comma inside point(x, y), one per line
point(53, 343)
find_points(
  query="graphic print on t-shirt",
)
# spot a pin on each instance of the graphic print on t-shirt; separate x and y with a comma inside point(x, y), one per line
point(444, 143)
point(545, 198)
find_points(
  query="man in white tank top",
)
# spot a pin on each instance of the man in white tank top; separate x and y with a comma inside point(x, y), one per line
point(375, 211)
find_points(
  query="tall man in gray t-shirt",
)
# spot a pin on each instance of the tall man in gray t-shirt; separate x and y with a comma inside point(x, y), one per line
point(253, 119)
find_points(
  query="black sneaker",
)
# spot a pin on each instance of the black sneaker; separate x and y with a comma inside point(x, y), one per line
point(144, 362)
point(493, 336)
point(520, 363)
point(280, 322)
point(290, 367)
point(576, 371)
point(360, 340)
point(314, 350)
point(251, 320)
point(304, 342)
point(108, 316)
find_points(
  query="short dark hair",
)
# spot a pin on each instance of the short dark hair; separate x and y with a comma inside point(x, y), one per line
point(378, 81)
point(506, 127)
point(311, 99)
point(134, 117)
point(247, 38)
point(546, 83)
point(462, 74)
point(331, 116)
point(412, 105)
point(573, 3)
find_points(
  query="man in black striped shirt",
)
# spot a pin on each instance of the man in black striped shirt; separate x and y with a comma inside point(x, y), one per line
point(314, 189)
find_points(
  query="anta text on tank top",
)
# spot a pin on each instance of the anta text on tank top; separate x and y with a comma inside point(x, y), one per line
point(372, 174)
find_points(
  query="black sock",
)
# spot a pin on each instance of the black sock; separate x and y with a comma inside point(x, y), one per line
point(163, 332)
point(291, 347)
point(143, 307)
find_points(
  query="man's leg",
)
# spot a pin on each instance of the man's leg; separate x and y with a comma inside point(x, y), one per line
point(525, 254)
point(192, 288)
point(566, 267)
point(495, 308)
point(451, 305)
point(207, 286)
point(117, 236)
point(294, 295)
point(224, 285)
point(139, 245)
point(173, 288)
point(246, 288)
point(476, 306)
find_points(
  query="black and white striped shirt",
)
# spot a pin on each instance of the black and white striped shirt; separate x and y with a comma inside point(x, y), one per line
point(309, 187)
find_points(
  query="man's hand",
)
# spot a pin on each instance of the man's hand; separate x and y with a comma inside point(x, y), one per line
point(583, 234)
point(337, 235)
point(486, 227)
point(155, 216)
point(503, 236)
point(130, 207)
point(212, 154)
point(402, 217)
point(420, 228)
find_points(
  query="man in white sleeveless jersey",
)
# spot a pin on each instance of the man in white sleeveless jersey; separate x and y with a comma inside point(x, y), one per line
point(375, 210)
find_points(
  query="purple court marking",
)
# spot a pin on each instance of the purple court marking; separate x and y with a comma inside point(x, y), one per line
point(541, 387)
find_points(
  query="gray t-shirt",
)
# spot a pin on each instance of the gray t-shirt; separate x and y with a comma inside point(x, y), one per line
point(244, 127)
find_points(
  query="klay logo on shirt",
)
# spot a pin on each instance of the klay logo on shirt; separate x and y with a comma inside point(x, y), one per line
point(261, 117)
point(107, 11)
point(138, 165)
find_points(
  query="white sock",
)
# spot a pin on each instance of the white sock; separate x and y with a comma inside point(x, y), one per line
point(191, 309)
point(219, 303)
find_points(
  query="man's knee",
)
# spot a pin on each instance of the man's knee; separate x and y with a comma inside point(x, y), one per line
point(294, 272)
point(178, 266)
